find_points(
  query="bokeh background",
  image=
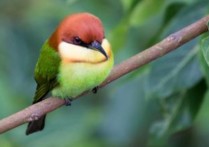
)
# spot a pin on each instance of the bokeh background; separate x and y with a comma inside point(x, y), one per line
point(165, 103)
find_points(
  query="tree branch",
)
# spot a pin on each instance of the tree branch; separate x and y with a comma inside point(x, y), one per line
point(167, 45)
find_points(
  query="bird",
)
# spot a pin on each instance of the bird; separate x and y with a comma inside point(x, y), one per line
point(77, 57)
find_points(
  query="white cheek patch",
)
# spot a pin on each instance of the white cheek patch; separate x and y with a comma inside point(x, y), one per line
point(106, 45)
point(71, 52)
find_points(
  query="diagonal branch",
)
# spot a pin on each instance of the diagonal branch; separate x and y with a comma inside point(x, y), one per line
point(167, 45)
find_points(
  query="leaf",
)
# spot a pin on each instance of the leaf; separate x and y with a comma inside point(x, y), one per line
point(175, 81)
point(144, 10)
point(180, 69)
point(172, 9)
point(205, 48)
point(178, 112)
point(126, 113)
point(203, 57)
point(4, 142)
point(118, 35)
point(202, 119)
point(129, 4)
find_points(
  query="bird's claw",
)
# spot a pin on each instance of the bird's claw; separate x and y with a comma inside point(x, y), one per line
point(95, 89)
point(68, 101)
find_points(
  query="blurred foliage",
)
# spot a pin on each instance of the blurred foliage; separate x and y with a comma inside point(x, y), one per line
point(165, 103)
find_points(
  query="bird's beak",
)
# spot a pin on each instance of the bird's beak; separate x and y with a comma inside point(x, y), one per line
point(97, 46)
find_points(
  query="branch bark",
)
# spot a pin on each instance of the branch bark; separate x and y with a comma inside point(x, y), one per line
point(167, 45)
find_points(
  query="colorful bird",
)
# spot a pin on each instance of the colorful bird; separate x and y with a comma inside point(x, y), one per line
point(77, 57)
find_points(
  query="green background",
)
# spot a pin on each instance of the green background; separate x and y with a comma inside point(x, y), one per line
point(165, 103)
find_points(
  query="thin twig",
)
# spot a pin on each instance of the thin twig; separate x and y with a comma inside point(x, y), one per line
point(167, 45)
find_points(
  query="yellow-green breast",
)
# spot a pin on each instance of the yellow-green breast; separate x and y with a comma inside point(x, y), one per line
point(75, 78)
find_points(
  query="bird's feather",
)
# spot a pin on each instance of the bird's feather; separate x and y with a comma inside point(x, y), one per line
point(45, 75)
point(46, 71)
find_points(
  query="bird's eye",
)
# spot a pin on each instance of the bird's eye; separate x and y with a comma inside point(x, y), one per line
point(77, 40)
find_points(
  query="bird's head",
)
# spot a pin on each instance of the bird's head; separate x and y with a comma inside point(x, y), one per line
point(80, 38)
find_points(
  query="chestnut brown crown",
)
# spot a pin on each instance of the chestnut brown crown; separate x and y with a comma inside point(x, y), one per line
point(79, 29)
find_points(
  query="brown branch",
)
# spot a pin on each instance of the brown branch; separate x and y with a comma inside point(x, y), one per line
point(170, 43)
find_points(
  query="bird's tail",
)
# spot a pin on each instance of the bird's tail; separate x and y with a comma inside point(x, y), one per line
point(36, 125)
point(42, 92)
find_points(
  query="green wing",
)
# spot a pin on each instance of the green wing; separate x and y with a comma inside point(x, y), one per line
point(46, 71)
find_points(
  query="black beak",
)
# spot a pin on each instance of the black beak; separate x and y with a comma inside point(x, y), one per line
point(97, 46)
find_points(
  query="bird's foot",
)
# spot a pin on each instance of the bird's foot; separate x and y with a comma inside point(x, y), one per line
point(95, 89)
point(68, 101)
